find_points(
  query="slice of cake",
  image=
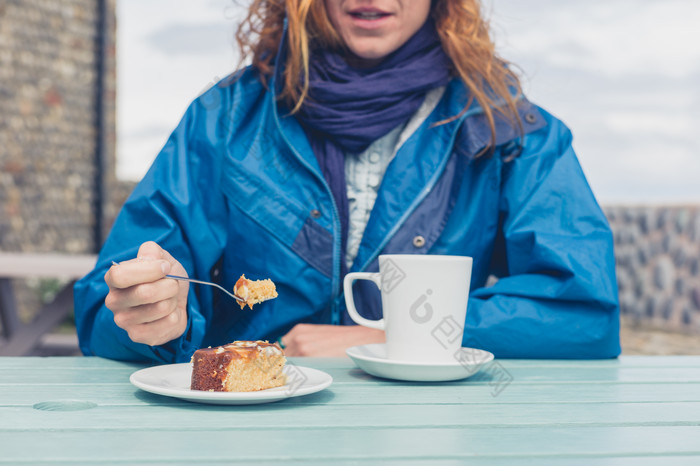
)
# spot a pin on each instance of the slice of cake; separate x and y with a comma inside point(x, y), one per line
point(241, 366)
point(254, 291)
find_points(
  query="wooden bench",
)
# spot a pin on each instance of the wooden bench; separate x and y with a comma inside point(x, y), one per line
point(21, 339)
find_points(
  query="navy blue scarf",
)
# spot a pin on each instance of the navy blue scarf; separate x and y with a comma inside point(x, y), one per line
point(349, 108)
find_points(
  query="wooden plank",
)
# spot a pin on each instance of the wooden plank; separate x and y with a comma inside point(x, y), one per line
point(235, 419)
point(553, 375)
point(301, 444)
point(661, 362)
point(626, 361)
point(66, 363)
point(122, 393)
point(675, 460)
point(94, 362)
point(516, 376)
point(47, 265)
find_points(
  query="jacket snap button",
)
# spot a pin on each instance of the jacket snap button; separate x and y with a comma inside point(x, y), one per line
point(419, 241)
point(530, 118)
point(316, 213)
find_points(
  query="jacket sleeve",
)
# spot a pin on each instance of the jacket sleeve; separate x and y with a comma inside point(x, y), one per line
point(179, 206)
point(556, 296)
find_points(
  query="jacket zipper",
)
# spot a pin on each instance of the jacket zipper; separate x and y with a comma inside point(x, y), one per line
point(335, 310)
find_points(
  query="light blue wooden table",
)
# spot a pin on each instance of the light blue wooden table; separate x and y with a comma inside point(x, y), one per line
point(632, 411)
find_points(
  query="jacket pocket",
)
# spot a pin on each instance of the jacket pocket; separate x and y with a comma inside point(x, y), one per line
point(269, 203)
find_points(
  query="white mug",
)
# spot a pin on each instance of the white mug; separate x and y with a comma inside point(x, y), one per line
point(424, 301)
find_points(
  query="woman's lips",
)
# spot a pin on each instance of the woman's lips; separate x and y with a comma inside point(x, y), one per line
point(368, 14)
point(368, 18)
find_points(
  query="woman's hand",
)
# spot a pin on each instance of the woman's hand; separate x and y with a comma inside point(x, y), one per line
point(327, 340)
point(151, 308)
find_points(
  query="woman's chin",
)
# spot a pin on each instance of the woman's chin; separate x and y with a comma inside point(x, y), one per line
point(368, 56)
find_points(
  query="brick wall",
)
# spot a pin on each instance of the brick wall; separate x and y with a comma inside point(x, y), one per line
point(48, 133)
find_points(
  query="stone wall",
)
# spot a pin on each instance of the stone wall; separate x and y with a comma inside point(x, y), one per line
point(49, 70)
point(658, 265)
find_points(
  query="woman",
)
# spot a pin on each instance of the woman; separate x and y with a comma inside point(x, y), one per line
point(362, 127)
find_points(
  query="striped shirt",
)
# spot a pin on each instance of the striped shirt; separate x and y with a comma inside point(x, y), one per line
point(364, 172)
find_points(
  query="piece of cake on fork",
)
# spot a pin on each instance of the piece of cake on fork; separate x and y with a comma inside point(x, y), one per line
point(241, 366)
point(254, 291)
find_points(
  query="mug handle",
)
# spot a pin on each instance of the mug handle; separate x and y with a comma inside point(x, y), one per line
point(350, 300)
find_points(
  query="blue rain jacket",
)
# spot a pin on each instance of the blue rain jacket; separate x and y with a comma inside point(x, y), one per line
point(237, 189)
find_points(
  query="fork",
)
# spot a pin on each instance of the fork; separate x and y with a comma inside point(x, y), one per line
point(187, 279)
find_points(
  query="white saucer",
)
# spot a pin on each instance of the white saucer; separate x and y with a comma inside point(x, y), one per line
point(174, 380)
point(372, 359)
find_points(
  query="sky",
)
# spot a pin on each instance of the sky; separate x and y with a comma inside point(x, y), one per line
point(622, 74)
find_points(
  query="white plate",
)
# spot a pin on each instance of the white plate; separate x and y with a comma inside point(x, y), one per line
point(372, 359)
point(174, 380)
